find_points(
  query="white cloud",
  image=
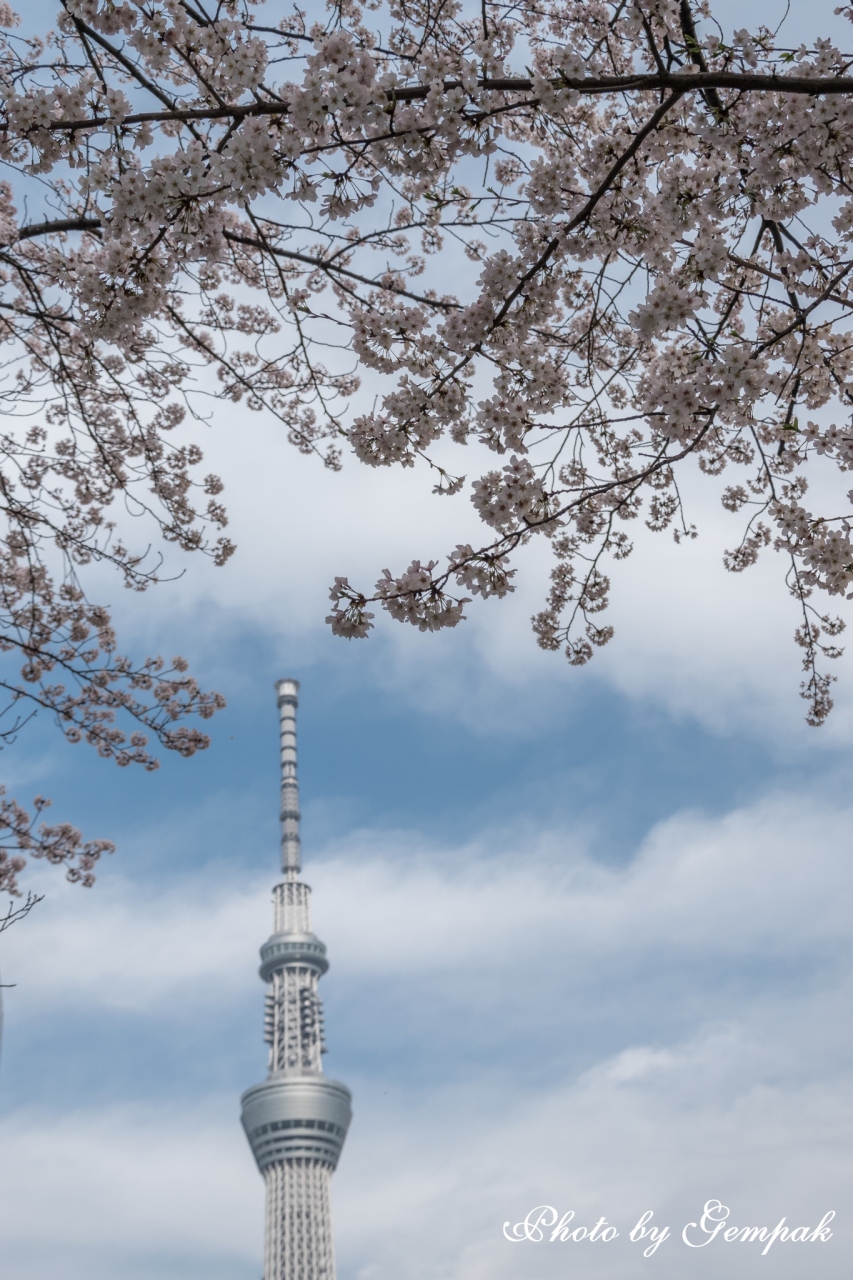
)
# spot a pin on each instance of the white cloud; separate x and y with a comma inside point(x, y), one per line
point(125, 946)
point(691, 639)
point(752, 883)
point(129, 1191)
point(443, 1173)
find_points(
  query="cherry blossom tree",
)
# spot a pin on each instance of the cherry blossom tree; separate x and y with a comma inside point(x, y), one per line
point(647, 222)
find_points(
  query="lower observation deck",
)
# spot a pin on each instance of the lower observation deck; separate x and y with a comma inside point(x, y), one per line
point(296, 1118)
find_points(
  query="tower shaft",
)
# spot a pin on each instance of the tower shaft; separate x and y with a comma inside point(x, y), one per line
point(298, 1220)
point(296, 1120)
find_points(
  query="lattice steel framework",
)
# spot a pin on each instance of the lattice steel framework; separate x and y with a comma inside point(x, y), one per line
point(296, 1121)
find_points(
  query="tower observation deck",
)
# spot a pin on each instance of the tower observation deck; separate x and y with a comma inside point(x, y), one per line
point(296, 1121)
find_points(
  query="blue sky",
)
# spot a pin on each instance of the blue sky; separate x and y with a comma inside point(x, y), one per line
point(589, 930)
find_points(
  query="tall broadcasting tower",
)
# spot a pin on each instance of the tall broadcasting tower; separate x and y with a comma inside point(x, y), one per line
point(296, 1121)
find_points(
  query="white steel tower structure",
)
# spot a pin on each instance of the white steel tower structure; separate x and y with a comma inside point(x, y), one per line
point(296, 1121)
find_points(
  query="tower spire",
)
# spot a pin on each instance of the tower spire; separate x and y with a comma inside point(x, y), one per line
point(291, 848)
point(296, 1121)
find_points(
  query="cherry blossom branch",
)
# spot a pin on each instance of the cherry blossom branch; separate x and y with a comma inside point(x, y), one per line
point(680, 83)
point(13, 913)
point(21, 838)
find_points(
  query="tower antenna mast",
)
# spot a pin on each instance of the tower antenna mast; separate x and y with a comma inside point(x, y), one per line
point(296, 1120)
